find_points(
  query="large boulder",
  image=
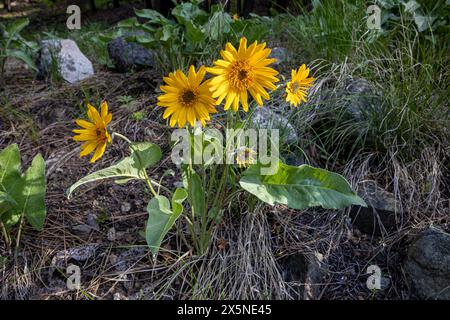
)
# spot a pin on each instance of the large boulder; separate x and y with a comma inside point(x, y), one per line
point(127, 55)
point(65, 58)
point(428, 265)
point(382, 207)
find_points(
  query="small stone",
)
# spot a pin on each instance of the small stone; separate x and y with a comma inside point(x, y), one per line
point(384, 283)
point(119, 296)
point(111, 234)
point(112, 258)
point(79, 254)
point(125, 207)
point(178, 184)
point(82, 228)
point(92, 222)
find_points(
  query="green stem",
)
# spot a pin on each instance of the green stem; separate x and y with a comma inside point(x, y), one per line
point(19, 233)
point(6, 236)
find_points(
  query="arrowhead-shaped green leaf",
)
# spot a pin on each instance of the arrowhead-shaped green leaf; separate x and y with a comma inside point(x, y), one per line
point(9, 166)
point(300, 187)
point(21, 194)
point(32, 201)
point(161, 218)
point(6, 202)
point(143, 155)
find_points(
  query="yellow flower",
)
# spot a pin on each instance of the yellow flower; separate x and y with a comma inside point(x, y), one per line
point(186, 98)
point(235, 17)
point(297, 88)
point(245, 156)
point(242, 71)
point(94, 133)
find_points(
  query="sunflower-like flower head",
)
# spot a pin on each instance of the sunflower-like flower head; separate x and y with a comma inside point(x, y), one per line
point(235, 17)
point(94, 132)
point(245, 156)
point(241, 72)
point(297, 88)
point(187, 98)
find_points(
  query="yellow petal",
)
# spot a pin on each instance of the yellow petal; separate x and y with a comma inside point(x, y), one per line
point(104, 109)
point(98, 152)
point(84, 124)
point(87, 148)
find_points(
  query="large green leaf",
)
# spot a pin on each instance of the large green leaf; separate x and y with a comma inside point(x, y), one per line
point(300, 187)
point(10, 184)
point(32, 201)
point(188, 12)
point(161, 218)
point(218, 25)
point(194, 33)
point(143, 155)
point(9, 166)
point(6, 202)
point(128, 23)
point(21, 195)
point(146, 154)
point(153, 15)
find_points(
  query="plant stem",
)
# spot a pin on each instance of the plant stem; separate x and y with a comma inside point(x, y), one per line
point(6, 236)
point(19, 233)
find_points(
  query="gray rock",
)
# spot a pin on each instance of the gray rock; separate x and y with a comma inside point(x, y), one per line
point(266, 118)
point(381, 210)
point(281, 54)
point(82, 228)
point(127, 55)
point(91, 221)
point(428, 265)
point(361, 99)
point(79, 254)
point(65, 58)
point(127, 260)
point(125, 207)
point(111, 235)
point(307, 272)
point(296, 158)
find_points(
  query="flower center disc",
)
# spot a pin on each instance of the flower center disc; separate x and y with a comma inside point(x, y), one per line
point(101, 135)
point(241, 75)
point(188, 98)
point(295, 86)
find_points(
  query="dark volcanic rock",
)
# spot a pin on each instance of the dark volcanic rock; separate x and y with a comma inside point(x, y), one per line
point(128, 55)
point(306, 270)
point(428, 265)
point(381, 210)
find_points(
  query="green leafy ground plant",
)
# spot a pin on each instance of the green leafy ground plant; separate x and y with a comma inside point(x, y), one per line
point(22, 195)
point(13, 45)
